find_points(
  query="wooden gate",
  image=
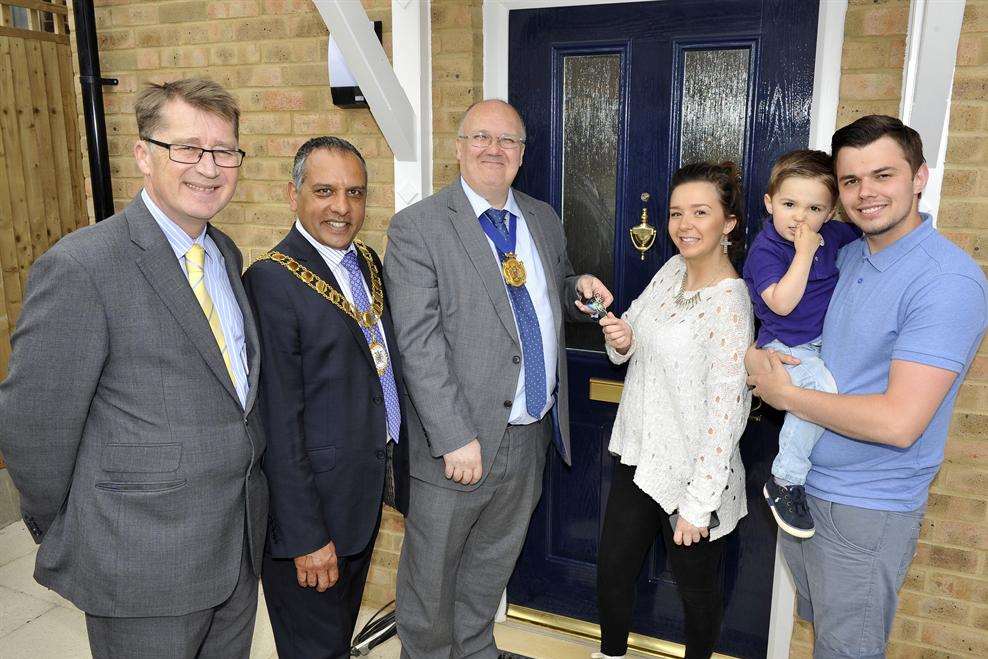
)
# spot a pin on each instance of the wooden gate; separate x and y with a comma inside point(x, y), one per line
point(41, 176)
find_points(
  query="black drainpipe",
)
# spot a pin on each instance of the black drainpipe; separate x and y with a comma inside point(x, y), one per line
point(92, 107)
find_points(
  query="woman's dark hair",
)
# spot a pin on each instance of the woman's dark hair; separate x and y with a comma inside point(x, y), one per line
point(726, 178)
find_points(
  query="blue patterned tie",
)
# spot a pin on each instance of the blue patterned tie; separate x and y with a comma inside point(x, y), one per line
point(360, 300)
point(528, 330)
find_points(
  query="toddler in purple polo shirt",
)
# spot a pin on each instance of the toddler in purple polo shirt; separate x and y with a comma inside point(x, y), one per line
point(791, 272)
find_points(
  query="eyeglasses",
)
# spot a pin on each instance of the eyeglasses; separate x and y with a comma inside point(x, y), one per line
point(191, 155)
point(483, 140)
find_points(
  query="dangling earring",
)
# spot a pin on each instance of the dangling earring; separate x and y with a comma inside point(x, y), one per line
point(725, 243)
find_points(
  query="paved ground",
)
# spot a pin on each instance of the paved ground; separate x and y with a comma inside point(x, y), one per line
point(35, 623)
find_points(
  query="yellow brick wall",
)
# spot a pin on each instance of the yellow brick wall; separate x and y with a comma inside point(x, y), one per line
point(457, 77)
point(873, 57)
point(945, 605)
point(943, 609)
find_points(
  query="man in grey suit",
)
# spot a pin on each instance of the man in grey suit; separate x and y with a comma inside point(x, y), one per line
point(479, 281)
point(127, 418)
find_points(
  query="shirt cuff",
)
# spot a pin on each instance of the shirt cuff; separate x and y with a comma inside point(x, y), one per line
point(692, 513)
point(616, 357)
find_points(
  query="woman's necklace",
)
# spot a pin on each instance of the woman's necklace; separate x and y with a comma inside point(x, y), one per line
point(687, 303)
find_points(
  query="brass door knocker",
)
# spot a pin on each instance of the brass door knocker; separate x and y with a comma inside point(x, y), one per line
point(643, 234)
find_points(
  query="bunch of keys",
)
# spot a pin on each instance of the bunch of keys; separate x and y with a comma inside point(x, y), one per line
point(596, 304)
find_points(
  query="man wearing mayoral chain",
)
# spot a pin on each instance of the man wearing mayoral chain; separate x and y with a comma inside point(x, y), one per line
point(330, 390)
point(479, 282)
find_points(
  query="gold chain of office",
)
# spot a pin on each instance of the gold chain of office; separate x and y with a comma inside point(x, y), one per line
point(366, 319)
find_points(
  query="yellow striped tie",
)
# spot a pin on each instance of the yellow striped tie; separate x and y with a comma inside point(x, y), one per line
point(195, 259)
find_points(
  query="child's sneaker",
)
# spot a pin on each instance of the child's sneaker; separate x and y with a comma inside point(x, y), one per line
point(788, 506)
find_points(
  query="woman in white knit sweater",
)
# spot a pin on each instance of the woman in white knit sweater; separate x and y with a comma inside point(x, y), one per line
point(684, 407)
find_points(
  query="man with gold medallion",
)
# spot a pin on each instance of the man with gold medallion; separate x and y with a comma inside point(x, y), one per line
point(330, 400)
point(480, 285)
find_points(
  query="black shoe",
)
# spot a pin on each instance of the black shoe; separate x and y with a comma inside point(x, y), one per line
point(788, 506)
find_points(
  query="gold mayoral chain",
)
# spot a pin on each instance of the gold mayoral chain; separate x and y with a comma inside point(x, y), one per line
point(366, 319)
point(513, 270)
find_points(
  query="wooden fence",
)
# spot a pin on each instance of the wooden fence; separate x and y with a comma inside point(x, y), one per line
point(41, 178)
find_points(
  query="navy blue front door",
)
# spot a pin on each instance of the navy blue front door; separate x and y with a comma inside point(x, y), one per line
point(616, 98)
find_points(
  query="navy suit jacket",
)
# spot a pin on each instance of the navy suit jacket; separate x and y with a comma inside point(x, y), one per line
point(323, 406)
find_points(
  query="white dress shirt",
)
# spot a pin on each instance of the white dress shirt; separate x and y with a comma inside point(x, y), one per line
point(334, 260)
point(538, 290)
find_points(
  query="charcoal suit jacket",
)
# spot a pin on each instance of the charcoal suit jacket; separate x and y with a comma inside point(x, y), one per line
point(323, 407)
point(137, 465)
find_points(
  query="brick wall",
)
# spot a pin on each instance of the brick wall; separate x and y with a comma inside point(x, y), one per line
point(943, 610)
point(457, 77)
point(873, 57)
point(946, 604)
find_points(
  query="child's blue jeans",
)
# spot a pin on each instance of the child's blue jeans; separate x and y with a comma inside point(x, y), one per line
point(798, 436)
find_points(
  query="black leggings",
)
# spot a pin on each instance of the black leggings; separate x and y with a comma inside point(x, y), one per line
point(631, 522)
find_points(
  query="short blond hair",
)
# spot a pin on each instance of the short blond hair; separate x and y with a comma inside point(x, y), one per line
point(201, 93)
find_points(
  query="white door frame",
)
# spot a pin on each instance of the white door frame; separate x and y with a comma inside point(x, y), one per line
point(823, 120)
point(927, 84)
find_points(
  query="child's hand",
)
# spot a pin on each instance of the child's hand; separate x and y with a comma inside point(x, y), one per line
point(807, 240)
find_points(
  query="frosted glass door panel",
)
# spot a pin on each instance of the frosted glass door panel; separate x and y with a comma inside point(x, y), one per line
point(714, 106)
point(591, 120)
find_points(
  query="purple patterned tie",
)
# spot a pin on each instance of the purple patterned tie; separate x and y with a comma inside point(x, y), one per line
point(360, 300)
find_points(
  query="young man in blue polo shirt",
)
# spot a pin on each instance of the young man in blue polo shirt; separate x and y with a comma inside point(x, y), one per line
point(904, 323)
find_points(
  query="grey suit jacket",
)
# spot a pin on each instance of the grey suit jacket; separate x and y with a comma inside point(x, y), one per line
point(456, 328)
point(138, 467)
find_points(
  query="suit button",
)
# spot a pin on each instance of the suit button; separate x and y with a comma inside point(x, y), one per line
point(380, 454)
point(516, 359)
point(507, 403)
point(378, 400)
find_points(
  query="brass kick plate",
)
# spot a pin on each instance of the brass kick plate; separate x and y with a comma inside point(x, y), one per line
point(606, 391)
point(646, 645)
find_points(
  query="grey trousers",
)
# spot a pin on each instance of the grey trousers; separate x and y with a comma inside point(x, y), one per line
point(221, 632)
point(460, 549)
point(848, 575)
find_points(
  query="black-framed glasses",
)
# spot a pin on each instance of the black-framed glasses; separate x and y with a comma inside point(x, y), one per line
point(484, 140)
point(191, 155)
